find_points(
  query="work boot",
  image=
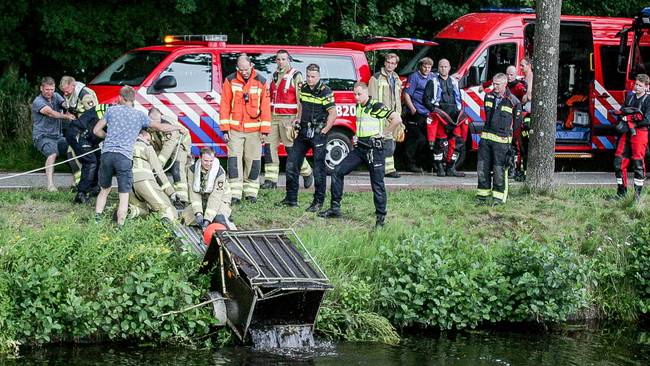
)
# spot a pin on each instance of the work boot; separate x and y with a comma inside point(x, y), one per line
point(414, 168)
point(251, 199)
point(520, 176)
point(637, 193)
point(314, 207)
point(287, 203)
point(440, 169)
point(269, 185)
point(621, 191)
point(452, 172)
point(80, 198)
point(512, 174)
point(394, 174)
point(235, 201)
point(308, 181)
point(331, 212)
point(380, 221)
point(497, 202)
point(94, 191)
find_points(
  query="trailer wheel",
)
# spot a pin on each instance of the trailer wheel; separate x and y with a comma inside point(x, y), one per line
point(338, 146)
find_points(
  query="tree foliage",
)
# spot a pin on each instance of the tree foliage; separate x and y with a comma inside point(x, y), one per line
point(40, 37)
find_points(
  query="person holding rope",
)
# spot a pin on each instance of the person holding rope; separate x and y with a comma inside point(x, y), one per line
point(47, 131)
point(174, 152)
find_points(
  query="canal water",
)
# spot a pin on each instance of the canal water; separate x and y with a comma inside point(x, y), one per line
point(579, 347)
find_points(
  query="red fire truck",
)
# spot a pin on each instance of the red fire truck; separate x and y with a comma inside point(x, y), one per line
point(634, 58)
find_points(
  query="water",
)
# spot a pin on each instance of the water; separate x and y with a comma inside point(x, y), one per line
point(601, 347)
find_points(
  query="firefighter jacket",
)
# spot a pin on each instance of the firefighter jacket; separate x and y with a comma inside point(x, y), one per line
point(208, 189)
point(285, 91)
point(315, 102)
point(146, 166)
point(245, 104)
point(371, 118)
point(502, 116)
point(167, 143)
point(386, 89)
point(82, 99)
point(643, 104)
point(85, 124)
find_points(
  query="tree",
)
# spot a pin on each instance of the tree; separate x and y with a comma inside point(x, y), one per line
point(544, 101)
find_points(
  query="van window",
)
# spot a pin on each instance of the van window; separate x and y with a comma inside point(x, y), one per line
point(130, 69)
point(495, 59)
point(641, 64)
point(338, 72)
point(457, 51)
point(613, 79)
point(193, 73)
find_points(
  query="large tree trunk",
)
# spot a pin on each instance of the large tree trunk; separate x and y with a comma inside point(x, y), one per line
point(541, 165)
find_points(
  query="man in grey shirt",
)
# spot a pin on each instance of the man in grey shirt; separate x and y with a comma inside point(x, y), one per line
point(124, 124)
point(46, 129)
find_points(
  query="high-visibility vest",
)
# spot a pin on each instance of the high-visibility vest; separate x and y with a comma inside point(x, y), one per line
point(370, 118)
point(283, 95)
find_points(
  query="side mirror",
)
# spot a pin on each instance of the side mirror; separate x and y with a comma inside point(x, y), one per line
point(473, 78)
point(165, 82)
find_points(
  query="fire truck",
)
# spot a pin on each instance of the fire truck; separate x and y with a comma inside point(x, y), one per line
point(634, 58)
point(183, 78)
point(480, 45)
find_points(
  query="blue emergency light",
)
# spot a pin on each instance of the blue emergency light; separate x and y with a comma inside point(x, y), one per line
point(508, 10)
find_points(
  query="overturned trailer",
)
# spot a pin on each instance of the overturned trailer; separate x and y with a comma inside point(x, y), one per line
point(261, 279)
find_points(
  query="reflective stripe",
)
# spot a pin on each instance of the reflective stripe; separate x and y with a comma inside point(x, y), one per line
point(265, 124)
point(495, 138)
point(638, 182)
point(483, 192)
point(165, 186)
point(437, 157)
point(141, 170)
point(308, 98)
point(234, 122)
point(253, 124)
point(236, 87)
point(619, 180)
point(499, 195)
point(505, 108)
point(285, 105)
point(489, 103)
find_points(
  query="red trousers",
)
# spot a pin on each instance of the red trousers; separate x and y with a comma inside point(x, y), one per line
point(634, 150)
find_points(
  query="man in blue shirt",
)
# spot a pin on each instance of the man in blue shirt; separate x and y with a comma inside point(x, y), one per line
point(416, 125)
point(124, 124)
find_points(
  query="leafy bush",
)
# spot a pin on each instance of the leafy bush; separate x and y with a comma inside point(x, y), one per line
point(639, 269)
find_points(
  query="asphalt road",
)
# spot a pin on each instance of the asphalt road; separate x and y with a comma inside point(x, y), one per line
point(358, 181)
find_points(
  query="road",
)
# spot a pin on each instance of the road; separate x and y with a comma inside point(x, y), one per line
point(358, 181)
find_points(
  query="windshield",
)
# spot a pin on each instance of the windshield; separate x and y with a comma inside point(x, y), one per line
point(130, 69)
point(455, 50)
point(640, 59)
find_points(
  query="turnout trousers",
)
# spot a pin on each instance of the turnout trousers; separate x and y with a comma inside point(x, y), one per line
point(148, 196)
point(244, 163)
point(492, 170)
point(280, 125)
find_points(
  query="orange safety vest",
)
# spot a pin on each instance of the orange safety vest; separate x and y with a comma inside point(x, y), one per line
point(283, 95)
point(245, 104)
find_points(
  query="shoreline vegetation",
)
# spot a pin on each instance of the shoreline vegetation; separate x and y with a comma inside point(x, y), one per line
point(441, 263)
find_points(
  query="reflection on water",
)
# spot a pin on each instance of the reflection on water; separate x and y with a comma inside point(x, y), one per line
point(588, 347)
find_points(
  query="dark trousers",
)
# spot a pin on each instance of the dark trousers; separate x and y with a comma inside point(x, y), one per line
point(491, 169)
point(89, 163)
point(416, 138)
point(362, 155)
point(296, 157)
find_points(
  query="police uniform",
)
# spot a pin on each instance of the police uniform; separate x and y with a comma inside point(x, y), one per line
point(315, 103)
point(285, 95)
point(210, 195)
point(369, 151)
point(82, 140)
point(147, 194)
point(177, 147)
point(387, 89)
point(633, 147)
point(502, 116)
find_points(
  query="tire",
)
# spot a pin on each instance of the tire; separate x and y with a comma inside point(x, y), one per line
point(461, 156)
point(338, 146)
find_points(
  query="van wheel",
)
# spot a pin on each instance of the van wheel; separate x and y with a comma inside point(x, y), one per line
point(337, 148)
point(461, 156)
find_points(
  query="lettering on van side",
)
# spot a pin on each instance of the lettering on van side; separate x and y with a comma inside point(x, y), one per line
point(346, 110)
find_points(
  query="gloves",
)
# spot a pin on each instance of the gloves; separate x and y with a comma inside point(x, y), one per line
point(174, 197)
point(226, 137)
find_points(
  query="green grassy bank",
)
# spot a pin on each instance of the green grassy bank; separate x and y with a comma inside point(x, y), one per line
point(441, 262)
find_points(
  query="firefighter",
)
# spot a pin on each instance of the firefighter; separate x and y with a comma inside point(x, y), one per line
point(174, 151)
point(443, 92)
point(316, 115)
point(502, 116)
point(246, 123)
point(78, 98)
point(633, 142)
point(285, 94)
point(417, 120)
point(385, 87)
point(210, 193)
point(369, 150)
point(148, 194)
point(85, 141)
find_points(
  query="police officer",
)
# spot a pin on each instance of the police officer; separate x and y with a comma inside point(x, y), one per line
point(369, 150)
point(385, 87)
point(285, 95)
point(316, 115)
point(210, 193)
point(147, 193)
point(502, 116)
point(84, 141)
point(633, 143)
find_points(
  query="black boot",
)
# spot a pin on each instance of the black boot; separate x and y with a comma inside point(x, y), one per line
point(452, 172)
point(440, 169)
point(380, 221)
point(269, 185)
point(621, 191)
point(308, 181)
point(314, 207)
point(81, 197)
point(331, 212)
point(637, 193)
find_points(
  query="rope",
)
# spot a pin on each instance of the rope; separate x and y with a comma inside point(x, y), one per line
point(47, 166)
point(173, 157)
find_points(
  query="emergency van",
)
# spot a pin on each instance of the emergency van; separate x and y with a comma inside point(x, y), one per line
point(635, 57)
point(591, 86)
point(184, 77)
